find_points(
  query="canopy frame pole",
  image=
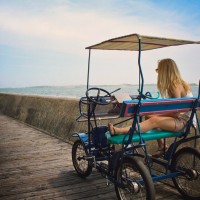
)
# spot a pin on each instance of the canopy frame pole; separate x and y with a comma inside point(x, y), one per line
point(141, 77)
point(88, 72)
point(88, 103)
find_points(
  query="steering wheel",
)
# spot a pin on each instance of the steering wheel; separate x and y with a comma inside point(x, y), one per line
point(98, 99)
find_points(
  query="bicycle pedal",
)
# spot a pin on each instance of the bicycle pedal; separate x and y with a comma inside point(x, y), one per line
point(160, 160)
point(103, 165)
point(88, 158)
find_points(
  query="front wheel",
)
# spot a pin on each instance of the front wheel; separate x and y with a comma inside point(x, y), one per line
point(82, 166)
point(133, 180)
point(187, 161)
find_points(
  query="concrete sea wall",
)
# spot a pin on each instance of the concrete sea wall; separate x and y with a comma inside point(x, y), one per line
point(56, 116)
point(53, 115)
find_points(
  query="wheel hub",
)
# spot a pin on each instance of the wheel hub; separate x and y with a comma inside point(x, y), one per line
point(192, 174)
point(135, 188)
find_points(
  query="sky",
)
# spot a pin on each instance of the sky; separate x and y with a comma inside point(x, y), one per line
point(42, 42)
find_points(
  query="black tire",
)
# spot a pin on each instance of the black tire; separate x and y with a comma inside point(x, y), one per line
point(187, 160)
point(82, 166)
point(133, 170)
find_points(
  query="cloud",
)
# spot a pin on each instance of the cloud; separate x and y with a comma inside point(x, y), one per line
point(61, 26)
point(53, 34)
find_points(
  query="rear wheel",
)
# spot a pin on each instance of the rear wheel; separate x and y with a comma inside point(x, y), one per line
point(134, 181)
point(187, 161)
point(82, 166)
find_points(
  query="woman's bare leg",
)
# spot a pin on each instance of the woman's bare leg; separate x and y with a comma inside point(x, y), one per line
point(160, 143)
point(162, 122)
point(115, 130)
point(165, 123)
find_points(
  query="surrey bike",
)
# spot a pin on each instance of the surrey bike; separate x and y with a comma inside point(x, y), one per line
point(131, 167)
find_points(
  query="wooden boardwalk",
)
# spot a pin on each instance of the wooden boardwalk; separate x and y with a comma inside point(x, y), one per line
point(34, 165)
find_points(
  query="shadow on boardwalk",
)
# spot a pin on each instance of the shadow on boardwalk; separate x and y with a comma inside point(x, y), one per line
point(34, 165)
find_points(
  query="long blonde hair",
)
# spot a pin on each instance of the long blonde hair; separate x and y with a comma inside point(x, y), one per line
point(169, 77)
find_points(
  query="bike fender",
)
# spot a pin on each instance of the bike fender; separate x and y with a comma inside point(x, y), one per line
point(82, 136)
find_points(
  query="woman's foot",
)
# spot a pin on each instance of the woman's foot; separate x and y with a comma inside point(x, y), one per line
point(111, 129)
point(160, 152)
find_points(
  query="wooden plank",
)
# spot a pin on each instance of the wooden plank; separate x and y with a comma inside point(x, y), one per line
point(34, 165)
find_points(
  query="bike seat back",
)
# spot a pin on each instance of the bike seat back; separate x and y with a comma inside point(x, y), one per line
point(99, 138)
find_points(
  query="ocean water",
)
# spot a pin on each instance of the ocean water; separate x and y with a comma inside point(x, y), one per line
point(78, 91)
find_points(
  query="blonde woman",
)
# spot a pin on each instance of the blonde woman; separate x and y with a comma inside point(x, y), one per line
point(171, 85)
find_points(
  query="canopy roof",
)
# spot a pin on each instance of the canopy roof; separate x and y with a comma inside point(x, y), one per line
point(131, 43)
